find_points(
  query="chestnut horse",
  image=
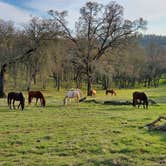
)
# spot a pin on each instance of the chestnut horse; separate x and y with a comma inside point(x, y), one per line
point(110, 91)
point(140, 98)
point(93, 92)
point(13, 96)
point(37, 95)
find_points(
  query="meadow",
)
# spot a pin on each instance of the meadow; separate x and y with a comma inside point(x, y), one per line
point(85, 134)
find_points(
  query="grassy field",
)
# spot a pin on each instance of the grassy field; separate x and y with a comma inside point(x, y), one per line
point(88, 134)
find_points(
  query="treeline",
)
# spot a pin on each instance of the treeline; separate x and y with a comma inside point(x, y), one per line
point(104, 49)
point(157, 39)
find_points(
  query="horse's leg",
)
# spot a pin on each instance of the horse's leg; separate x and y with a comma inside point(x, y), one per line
point(78, 100)
point(144, 104)
point(13, 104)
point(10, 104)
point(36, 100)
point(41, 101)
point(19, 105)
point(134, 102)
point(138, 105)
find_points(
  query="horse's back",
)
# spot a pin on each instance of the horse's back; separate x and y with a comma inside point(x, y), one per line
point(72, 93)
point(35, 93)
point(139, 95)
point(13, 94)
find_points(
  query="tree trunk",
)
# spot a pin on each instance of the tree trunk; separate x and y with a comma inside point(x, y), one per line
point(58, 82)
point(15, 75)
point(149, 82)
point(89, 85)
point(3, 69)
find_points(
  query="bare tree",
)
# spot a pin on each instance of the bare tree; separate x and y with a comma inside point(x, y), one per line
point(98, 30)
point(6, 35)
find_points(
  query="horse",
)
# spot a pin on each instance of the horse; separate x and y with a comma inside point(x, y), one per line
point(37, 95)
point(140, 98)
point(110, 91)
point(93, 92)
point(73, 93)
point(14, 96)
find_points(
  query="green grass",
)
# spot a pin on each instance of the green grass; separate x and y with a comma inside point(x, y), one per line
point(84, 134)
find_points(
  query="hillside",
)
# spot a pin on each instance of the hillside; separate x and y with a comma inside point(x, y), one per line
point(147, 39)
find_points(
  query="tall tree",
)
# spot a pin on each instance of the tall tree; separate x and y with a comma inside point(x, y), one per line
point(99, 29)
point(6, 35)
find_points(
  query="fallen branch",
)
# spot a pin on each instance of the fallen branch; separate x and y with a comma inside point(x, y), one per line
point(118, 102)
point(152, 102)
point(82, 99)
point(152, 126)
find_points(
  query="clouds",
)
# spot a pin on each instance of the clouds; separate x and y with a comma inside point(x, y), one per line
point(149, 9)
point(154, 11)
point(10, 12)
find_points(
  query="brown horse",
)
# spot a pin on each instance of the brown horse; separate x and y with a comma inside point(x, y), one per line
point(140, 98)
point(13, 96)
point(93, 92)
point(110, 91)
point(37, 95)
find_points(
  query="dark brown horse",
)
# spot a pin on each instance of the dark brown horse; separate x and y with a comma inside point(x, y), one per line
point(140, 98)
point(13, 96)
point(110, 91)
point(37, 95)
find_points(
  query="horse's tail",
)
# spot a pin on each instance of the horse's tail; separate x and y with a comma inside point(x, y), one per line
point(8, 99)
point(134, 104)
point(65, 100)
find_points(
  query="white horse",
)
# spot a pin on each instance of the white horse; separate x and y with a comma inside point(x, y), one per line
point(73, 93)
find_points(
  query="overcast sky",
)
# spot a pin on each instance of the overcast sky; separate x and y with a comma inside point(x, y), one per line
point(20, 11)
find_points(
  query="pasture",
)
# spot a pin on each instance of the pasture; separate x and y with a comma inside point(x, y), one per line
point(84, 134)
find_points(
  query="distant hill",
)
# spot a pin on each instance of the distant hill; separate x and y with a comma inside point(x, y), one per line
point(147, 39)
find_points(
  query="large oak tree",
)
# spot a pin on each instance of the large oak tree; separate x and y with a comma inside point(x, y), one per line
point(99, 29)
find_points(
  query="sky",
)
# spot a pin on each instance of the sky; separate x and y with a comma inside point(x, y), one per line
point(21, 11)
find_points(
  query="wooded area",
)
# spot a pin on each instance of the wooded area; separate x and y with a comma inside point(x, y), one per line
point(103, 49)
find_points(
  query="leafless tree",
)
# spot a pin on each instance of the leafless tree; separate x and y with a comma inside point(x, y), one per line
point(98, 30)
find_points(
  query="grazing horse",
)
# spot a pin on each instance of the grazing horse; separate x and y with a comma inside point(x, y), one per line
point(13, 96)
point(110, 91)
point(140, 98)
point(93, 92)
point(37, 95)
point(73, 93)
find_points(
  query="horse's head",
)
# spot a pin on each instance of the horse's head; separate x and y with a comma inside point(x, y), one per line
point(65, 100)
point(106, 92)
point(114, 92)
point(43, 102)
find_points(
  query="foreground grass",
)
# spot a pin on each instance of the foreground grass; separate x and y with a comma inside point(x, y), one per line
point(88, 134)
